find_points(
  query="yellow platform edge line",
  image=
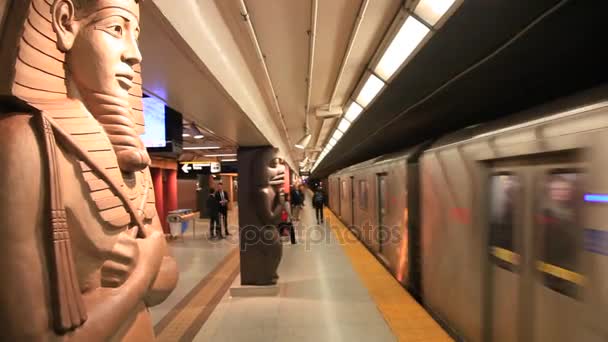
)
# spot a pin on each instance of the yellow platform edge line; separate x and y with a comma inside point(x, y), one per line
point(406, 318)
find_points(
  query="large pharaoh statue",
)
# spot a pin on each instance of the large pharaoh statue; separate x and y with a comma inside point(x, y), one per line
point(82, 251)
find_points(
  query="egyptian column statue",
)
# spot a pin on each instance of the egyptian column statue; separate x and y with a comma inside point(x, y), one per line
point(260, 181)
point(82, 252)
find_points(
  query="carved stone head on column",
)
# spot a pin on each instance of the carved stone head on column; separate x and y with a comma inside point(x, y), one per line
point(261, 181)
point(269, 174)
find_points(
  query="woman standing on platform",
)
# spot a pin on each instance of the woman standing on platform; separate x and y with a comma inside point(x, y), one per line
point(287, 219)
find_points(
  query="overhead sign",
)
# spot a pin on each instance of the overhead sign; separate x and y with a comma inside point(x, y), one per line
point(194, 167)
point(216, 167)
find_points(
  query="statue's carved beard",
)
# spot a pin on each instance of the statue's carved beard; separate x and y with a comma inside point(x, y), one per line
point(114, 114)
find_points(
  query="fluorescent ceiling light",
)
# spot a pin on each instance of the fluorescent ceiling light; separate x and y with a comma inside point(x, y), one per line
point(229, 160)
point(334, 141)
point(353, 112)
point(370, 89)
point(185, 135)
point(331, 143)
point(202, 148)
point(344, 124)
point(221, 155)
point(302, 143)
point(431, 11)
point(197, 132)
point(411, 33)
point(337, 135)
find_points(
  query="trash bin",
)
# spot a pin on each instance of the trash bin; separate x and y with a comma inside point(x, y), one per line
point(175, 223)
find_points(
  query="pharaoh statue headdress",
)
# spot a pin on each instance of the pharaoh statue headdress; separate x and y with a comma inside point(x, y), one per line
point(33, 80)
point(33, 67)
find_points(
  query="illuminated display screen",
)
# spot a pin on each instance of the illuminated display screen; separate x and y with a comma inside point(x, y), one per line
point(596, 198)
point(154, 116)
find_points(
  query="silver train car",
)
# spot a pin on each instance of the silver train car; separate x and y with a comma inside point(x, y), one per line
point(499, 230)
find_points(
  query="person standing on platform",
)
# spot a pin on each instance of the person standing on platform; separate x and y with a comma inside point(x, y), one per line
point(287, 218)
point(318, 200)
point(302, 193)
point(297, 201)
point(213, 209)
point(222, 198)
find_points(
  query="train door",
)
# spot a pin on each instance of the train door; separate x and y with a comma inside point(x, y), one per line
point(557, 260)
point(382, 211)
point(535, 244)
point(352, 201)
point(505, 275)
point(338, 196)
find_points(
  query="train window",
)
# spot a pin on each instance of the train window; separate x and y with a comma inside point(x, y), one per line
point(560, 234)
point(363, 194)
point(505, 189)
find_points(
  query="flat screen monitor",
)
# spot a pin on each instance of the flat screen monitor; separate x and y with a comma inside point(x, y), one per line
point(154, 118)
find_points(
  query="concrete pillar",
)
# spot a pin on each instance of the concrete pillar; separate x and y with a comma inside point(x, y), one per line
point(170, 195)
point(202, 195)
point(287, 183)
point(157, 180)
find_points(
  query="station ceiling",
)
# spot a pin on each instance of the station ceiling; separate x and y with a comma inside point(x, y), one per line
point(492, 58)
point(201, 58)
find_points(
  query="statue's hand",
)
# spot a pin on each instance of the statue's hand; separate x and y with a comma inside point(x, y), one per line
point(151, 252)
point(121, 260)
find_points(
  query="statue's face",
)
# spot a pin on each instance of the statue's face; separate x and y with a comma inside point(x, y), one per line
point(105, 48)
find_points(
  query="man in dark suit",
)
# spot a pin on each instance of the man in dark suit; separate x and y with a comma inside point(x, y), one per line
point(213, 207)
point(222, 197)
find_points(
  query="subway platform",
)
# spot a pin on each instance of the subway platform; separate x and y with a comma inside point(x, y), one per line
point(330, 289)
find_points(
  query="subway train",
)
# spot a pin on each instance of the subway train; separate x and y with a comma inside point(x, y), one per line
point(500, 230)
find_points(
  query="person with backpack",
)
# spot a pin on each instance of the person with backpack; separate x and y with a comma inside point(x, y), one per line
point(318, 200)
point(297, 202)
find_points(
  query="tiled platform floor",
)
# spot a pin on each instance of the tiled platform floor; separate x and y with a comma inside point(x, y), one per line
point(196, 257)
point(321, 299)
point(331, 289)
